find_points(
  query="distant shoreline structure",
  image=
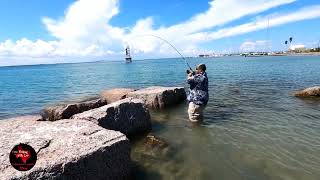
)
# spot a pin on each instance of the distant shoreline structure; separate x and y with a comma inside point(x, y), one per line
point(128, 55)
point(119, 60)
point(297, 50)
point(260, 54)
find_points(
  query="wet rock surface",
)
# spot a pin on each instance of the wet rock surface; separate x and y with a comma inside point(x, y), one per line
point(309, 92)
point(114, 95)
point(129, 116)
point(58, 112)
point(157, 97)
point(66, 149)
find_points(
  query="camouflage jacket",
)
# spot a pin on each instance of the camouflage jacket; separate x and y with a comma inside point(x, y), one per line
point(198, 92)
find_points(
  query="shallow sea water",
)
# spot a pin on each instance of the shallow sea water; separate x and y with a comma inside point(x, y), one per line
point(253, 129)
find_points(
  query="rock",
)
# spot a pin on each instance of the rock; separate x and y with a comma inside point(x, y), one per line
point(55, 113)
point(160, 97)
point(66, 149)
point(153, 141)
point(26, 118)
point(152, 150)
point(114, 95)
point(309, 92)
point(129, 116)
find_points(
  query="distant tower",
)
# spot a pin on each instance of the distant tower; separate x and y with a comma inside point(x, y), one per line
point(128, 56)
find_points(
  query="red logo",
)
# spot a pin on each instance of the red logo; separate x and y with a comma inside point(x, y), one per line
point(23, 157)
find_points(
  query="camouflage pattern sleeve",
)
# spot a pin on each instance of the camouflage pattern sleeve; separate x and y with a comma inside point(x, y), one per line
point(198, 92)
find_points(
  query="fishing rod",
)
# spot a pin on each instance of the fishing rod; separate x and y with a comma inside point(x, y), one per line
point(166, 41)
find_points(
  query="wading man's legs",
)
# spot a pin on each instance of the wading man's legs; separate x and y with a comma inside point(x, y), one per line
point(195, 112)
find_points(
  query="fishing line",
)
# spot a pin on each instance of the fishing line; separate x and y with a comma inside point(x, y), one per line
point(166, 41)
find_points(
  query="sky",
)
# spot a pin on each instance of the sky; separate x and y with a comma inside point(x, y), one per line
point(66, 31)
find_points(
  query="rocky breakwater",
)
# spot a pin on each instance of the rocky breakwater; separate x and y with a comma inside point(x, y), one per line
point(113, 95)
point(309, 92)
point(65, 111)
point(129, 116)
point(85, 140)
point(66, 149)
point(158, 97)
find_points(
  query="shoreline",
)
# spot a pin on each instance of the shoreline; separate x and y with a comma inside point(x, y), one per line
point(307, 54)
point(101, 61)
point(297, 54)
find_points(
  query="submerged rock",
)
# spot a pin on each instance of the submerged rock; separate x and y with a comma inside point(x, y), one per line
point(130, 116)
point(58, 112)
point(66, 149)
point(309, 92)
point(154, 141)
point(160, 97)
point(114, 95)
point(152, 150)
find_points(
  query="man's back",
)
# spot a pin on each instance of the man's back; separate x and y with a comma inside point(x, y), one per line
point(198, 93)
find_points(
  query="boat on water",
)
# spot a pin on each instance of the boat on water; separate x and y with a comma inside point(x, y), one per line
point(128, 56)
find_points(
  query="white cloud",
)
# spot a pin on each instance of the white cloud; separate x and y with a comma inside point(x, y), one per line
point(85, 30)
point(306, 13)
point(251, 46)
point(185, 35)
point(83, 18)
point(224, 11)
point(25, 47)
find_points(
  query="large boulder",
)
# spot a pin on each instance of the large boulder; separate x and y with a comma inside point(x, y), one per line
point(129, 116)
point(58, 112)
point(160, 97)
point(309, 92)
point(114, 95)
point(66, 149)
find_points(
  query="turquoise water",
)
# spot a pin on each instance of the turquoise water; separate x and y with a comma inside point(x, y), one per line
point(253, 128)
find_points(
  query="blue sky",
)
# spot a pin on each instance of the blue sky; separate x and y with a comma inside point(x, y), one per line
point(44, 31)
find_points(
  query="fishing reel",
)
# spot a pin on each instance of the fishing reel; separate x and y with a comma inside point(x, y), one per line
point(190, 71)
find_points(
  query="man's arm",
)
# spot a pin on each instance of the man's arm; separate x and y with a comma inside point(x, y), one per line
point(190, 79)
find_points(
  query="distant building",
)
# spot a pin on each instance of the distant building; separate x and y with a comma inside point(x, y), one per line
point(298, 48)
point(315, 49)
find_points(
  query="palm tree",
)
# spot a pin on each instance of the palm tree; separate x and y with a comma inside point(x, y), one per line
point(286, 43)
point(290, 39)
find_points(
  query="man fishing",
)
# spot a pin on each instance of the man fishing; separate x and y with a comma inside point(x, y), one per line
point(198, 95)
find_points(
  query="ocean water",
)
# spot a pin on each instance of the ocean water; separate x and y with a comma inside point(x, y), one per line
point(253, 129)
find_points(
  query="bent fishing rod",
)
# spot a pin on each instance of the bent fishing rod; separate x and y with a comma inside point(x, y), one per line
point(166, 41)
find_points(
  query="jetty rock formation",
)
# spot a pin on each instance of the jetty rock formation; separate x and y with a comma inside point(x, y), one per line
point(58, 112)
point(157, 97)
point(114, 95)
point(154, 97)
point(66, 149)
point(129, 116)
point(309, 92)
point(86, 140)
